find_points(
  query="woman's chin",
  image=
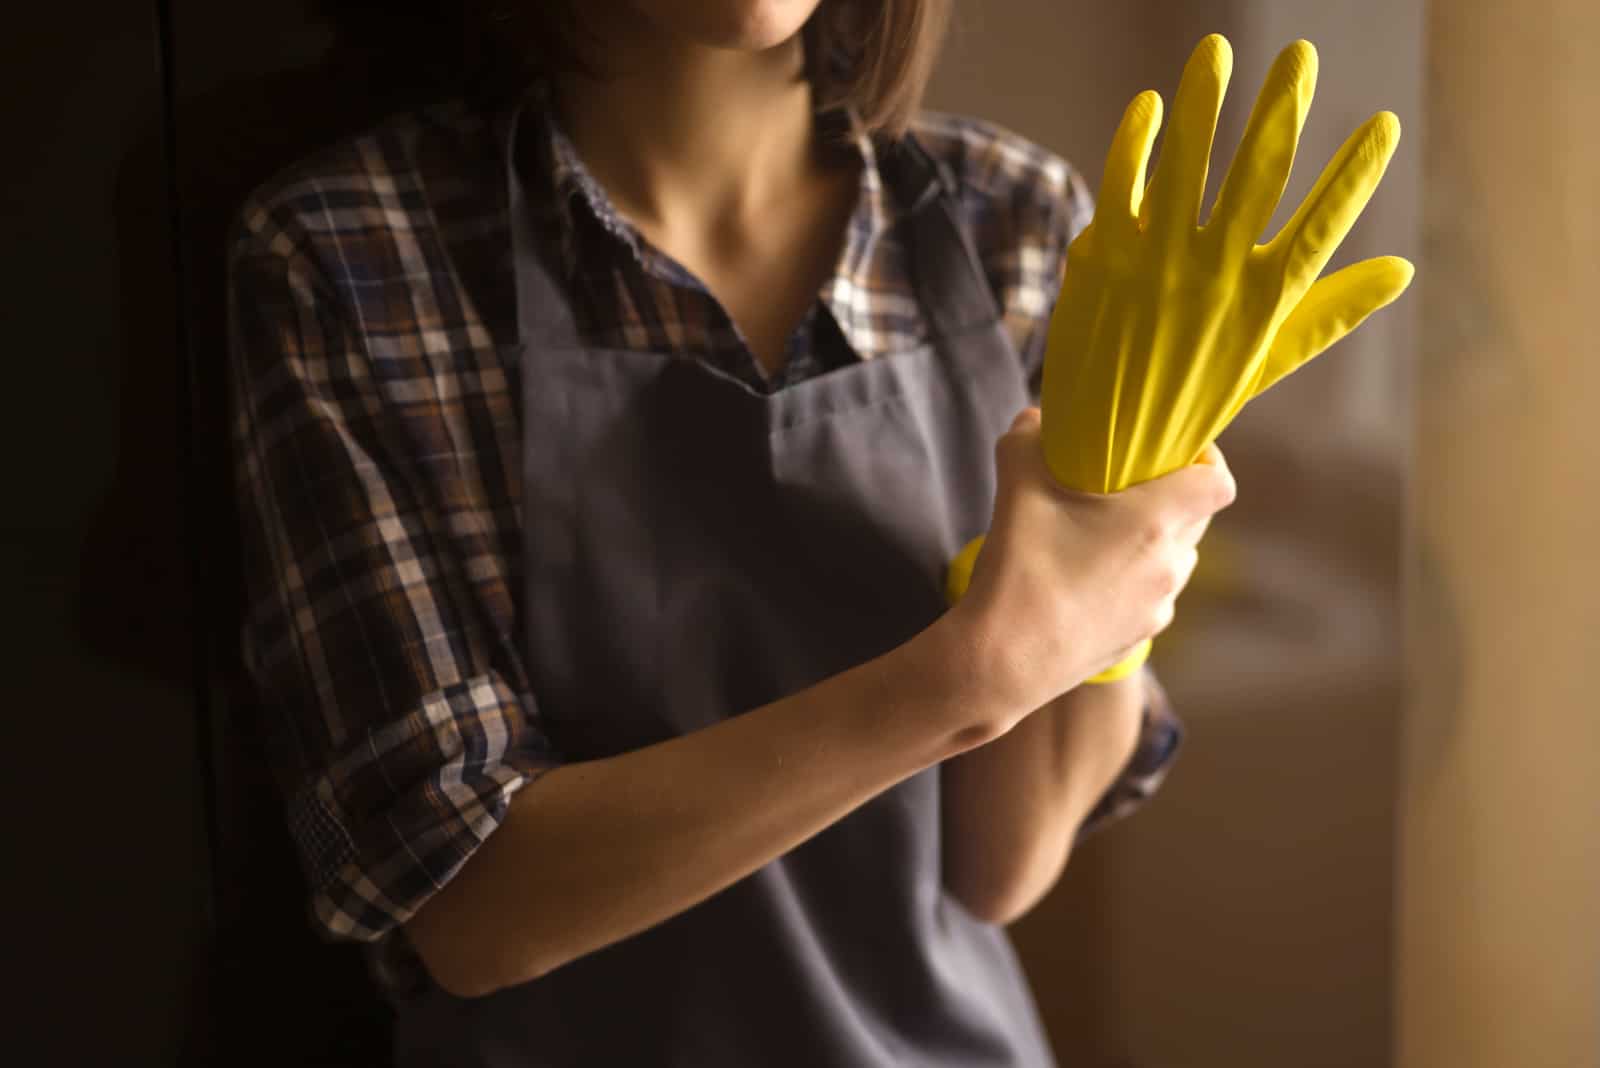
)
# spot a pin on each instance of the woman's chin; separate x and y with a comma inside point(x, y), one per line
point(736, 25)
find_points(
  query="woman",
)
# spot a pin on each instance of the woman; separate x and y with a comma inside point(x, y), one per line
point(603, 442)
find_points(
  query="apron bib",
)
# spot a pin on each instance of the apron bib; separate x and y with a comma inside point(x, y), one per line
point(695, 549)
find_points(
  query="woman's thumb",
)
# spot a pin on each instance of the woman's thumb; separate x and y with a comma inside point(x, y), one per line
point(1030, 415)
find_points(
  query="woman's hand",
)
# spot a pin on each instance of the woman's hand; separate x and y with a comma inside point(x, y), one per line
point(1068, 582)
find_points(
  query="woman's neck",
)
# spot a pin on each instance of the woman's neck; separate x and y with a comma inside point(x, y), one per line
point(689, 138)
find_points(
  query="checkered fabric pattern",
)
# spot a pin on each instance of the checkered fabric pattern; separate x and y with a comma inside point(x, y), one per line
point(376, 441)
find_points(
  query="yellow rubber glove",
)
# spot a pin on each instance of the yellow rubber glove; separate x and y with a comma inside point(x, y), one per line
point(1165, 328)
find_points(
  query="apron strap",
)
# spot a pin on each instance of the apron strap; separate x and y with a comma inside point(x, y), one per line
point(544, 309)
point(948, 275)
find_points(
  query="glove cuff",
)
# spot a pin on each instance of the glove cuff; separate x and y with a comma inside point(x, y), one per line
point(1124, 667)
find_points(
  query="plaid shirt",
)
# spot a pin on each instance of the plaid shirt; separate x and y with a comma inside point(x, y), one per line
point(375, 429)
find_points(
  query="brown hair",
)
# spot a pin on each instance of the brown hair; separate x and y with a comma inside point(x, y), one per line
point(873, 56)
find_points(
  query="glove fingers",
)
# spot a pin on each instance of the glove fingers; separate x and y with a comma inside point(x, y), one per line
point(1260, 169)
point(1331, 309)
point(1122, 186)
point(1310, 238)
point(1173, 203)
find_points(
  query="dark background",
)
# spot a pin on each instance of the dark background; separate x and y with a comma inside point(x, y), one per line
point(157, 919)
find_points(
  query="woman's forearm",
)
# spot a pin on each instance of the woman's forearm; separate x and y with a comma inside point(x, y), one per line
point(591, 853)
point(1011, 808)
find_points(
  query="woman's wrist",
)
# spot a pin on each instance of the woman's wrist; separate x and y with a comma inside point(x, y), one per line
point(992, 680)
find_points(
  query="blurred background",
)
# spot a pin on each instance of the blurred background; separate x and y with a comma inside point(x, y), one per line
point(1382, 842)
point(1246, 916)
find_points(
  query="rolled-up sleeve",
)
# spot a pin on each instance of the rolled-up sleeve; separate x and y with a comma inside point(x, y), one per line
point(1160, 736)
point(394, 706)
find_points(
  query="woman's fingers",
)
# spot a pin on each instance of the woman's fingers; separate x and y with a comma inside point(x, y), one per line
point(1172, 206)
point(1192, 533)
point(1211, 457)
point(1191, 493)
point(1260, 169)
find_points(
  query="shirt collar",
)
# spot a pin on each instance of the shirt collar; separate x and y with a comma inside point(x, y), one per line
point(579, 200)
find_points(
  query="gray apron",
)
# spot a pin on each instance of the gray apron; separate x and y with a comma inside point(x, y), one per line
point(695, 549)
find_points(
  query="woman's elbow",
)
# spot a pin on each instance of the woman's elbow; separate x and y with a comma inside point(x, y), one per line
point(458, 982)
point(1001, 895)
point(1001, 907)
point(457, 964)
point(456, 973)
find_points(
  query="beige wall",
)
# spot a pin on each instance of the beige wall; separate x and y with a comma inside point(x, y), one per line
point(1245, 917)
point(1499, 905)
